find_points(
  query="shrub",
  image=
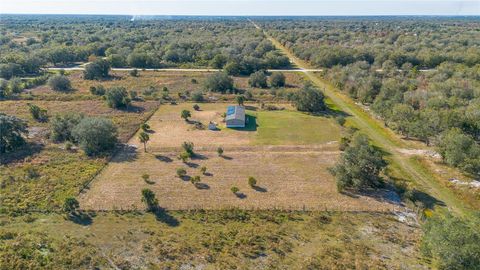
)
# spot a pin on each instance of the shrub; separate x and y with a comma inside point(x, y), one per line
point(97, 70)
point(145, 127)
point(309, 99)
point(195, 180)
point(38, 113)
point(252, 182)
point(184, 156)
point(133, 94)
point(220, 151)
point(277, 79)
point(181, 172)
point(258, 79)
point(196, 107)
point(13, 131)
point(219, 82)
point(359, 166)
point(59, 83)
point(197, 96)
point(98, 90)
point(117, 97)
point(95, 135)
point(145, 177)
point(70, 205)
point(188, 148)
point(185, 114)
point(134, 72)
point(341, 120)
point(240, 100)
point(203, 170)
point(234, 189)
point(148, 197)
point(61, 126)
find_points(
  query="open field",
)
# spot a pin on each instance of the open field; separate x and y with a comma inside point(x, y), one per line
point(213, 240)
point(175, 81)
point(289, 162)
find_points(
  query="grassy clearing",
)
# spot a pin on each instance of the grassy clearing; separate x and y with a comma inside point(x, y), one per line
point(212, 240)
point(292, 127)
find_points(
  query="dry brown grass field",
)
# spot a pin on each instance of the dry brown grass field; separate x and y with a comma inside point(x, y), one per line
point(291, 170)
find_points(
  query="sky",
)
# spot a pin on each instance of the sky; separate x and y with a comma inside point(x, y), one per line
point(243, 7)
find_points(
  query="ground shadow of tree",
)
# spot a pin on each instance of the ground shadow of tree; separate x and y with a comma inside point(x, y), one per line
point(81, 218)
point(163, 158)
point(202, 186)
point(241, 195)
point(259, 189)
point(126, 153)
point(163, 216)
point(27, 150)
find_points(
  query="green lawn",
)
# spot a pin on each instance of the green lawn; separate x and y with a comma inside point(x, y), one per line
point(292, 127)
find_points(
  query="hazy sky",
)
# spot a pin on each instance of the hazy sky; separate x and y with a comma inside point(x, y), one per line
point(244, 7)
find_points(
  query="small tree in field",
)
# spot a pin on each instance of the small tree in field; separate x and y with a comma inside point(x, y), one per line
point(181, 172)
point(188, 148)
point(234, 190)
point(196, 107)
point(145, 127)
point(38, 113)
point(195, 180)
point(220, 151)
point(134, 72)
point(146, 177)
point(148, 197)
point(203, 170)
point(70, 206)
point(252, 182)
point(240, 100)
point(186, 114)
point(184, 156)
point(144, 138)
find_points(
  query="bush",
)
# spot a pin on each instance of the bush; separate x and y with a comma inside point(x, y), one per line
point(188, 148)
point(70, 205)
point(61, 126)
point(197, 96)
point(309, 99)
point(196, 107)
point(252, 182)
point(277, 79)
point(97, 70)
point(258, 79)
point(185, 114)
point(148, 197)
point(95, 135)
point(133, 94)
point(13, 131)
point(234, 189)
point(341, 120)
point(181, 172)
point(195, 180)
point(203, 170)
point(98, 90)
point(220, 151)
point(145, 127)
point(38, 113)
point(117, 97)
point(219, 82)
point(59, 83)
point(134, 72)
point(359, 166)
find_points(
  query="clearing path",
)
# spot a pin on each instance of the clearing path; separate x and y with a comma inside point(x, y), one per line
point(380, 135)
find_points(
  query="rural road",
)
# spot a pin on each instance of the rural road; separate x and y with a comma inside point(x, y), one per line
point(81, 67)
point(410, 169)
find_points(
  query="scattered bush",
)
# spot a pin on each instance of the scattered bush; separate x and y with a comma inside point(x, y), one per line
point(185, 114)
point(240, 100)
point(220, 151)
point(59, 83)
point(38, 113)
point(61, 126)
point(252, 182)
point(309, 99)
point(197, 96)
point(97, 70)
point(341, 120)
point(13, 133)
point(196, 107)
point(117, 97)
point(219, 82)
point(148, 197)
point(258, 79)
point(95, 135)
point(203, 170)
point(277, 79)
point(98, 90)
point(134, 72)
point(234, 190)
point(181, 172)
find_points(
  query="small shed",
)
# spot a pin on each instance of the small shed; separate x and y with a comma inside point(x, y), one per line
point(235, 116)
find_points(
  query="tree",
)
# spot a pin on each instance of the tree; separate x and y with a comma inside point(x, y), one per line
point(197, 96)
point(71, 205)
point(144, 138)
point(341, 120)
point(234, 190)
point(117, 97)
point(258, 79)
point(37, 113)
point(97, 70)
point(145, 127)
point(220, 151)
point(196, 107)
point(188, 148)
point(186, 114)
point(12, 133)
point(277, 79)
point(59, 83)
point(195, 180)
point(233, 68)
point(95, 135)
point(98, 90)
point(240, 100)
point(146, 177)
point(309, 99)
point(218, 61)
point(148, 197)
point(181, 172)
point(360, 165)
point(252, 182)
point(203, 170)
point(219, 82)
point(61, 126)
point(452, 242)
point(402, 117)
